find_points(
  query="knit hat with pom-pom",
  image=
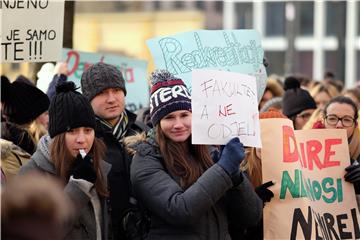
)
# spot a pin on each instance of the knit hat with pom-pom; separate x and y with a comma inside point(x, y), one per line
point(168, 94)
point(68, 110)
point(296, 99)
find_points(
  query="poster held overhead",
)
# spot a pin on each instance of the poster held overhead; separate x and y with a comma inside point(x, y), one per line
point(229, 50)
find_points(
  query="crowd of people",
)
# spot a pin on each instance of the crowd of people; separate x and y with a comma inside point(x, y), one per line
point(81, 166)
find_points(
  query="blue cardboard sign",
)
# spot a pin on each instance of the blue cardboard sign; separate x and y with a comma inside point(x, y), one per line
point(231, 50)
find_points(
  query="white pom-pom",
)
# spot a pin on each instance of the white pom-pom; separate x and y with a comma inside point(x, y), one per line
point(161, 75)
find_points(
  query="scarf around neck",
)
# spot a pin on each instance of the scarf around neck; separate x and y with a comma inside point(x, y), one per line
point(120, 128)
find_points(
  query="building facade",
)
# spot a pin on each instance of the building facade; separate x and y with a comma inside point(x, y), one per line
point(308, 37)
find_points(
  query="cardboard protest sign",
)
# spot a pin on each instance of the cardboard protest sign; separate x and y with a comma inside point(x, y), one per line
point(312, 199)
point(31, 31)
point(134, 72)
point(224, 106)
point(231, 50)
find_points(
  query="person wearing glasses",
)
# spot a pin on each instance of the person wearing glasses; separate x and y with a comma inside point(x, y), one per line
point(342, 113)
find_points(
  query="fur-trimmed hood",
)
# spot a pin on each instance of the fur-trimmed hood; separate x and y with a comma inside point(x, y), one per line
point(142, 143)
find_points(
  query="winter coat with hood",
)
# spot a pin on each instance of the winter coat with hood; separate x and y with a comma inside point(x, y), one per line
point(90, 212)
point(203, 211)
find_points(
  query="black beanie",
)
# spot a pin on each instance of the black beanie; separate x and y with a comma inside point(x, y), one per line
point(23, 101)
point(296, 99)
point(68, 110)
point(99, 77)
point(168, 94)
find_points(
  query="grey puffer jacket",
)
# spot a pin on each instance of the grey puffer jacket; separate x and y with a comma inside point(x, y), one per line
point(202, 211)
point(83, 226)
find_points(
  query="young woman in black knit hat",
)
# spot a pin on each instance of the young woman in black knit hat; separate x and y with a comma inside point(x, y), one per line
point(72, 153)
point(189, 192)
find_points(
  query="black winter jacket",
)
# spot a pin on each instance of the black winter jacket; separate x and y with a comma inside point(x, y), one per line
point(119, 176)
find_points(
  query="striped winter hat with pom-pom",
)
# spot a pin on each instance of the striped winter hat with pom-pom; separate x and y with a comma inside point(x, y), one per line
point(168, 94)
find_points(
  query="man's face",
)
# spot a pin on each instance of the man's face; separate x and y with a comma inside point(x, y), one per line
point(109, 104)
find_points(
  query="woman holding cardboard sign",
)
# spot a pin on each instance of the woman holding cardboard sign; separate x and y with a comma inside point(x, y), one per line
point(189, 194)
point(342, 113)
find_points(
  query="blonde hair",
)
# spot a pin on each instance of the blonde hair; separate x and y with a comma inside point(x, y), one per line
point(252, 165)
point(37, 130)
point(316, 116)
point(274, 87)
point(331, 90)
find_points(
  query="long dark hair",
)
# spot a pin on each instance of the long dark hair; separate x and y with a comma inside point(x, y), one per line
point(188, 161)
point(63, 160)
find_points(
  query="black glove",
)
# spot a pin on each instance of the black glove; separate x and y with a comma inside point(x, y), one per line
point(353, 173)
point(83, 169)
point(264, 193)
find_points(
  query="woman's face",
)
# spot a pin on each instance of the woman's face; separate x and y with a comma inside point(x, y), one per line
point(343, 111)
point(321, 99)
point(177, 125)
point(79, 138)
point(302, 118)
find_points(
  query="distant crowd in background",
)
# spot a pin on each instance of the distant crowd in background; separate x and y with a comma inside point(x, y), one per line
point(108, 173)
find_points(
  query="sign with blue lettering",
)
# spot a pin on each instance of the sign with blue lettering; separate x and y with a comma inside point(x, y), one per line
point(231, 50)
point(134, 72)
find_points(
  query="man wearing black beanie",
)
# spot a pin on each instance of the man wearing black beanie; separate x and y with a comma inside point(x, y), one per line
point(104, 86)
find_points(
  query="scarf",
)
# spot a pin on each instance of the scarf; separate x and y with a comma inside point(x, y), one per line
point(120, 129)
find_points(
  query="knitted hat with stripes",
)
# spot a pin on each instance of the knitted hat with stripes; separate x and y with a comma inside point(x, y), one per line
point(168, 94)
